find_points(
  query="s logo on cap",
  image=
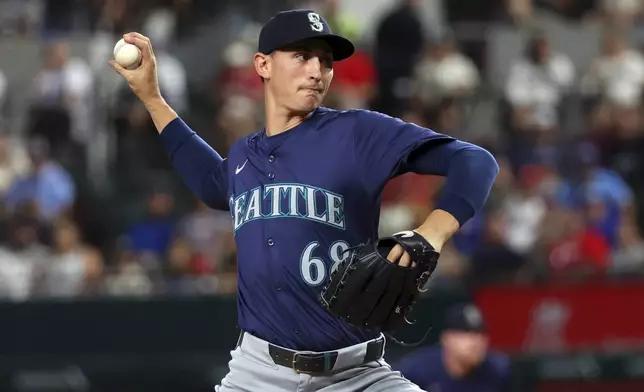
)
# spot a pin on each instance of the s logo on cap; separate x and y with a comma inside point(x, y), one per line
point(473, 316)
point(316, 25)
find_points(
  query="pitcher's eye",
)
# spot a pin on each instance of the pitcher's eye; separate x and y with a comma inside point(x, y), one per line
point(328, 62)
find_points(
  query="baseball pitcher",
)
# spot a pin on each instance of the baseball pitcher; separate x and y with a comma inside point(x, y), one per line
point(317, 288)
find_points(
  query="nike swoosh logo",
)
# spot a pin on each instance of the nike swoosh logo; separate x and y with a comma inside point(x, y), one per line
point(238, 169)
point(405, 234)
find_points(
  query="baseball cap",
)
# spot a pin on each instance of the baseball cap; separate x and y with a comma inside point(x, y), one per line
point(464, 317)
point(289, 27)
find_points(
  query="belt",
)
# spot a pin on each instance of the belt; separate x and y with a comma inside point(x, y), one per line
point(318, 362)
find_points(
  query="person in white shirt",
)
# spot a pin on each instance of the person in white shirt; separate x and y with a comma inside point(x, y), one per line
point(537, 83)
point(445, 72)
point(617, 75)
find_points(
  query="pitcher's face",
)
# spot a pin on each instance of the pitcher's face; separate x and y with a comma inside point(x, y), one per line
point(299, 76)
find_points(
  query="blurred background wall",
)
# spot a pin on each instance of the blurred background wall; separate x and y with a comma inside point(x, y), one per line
point(113, 277)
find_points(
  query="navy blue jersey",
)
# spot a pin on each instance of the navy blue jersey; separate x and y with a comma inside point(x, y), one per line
point(298, 199)
point(426, 368)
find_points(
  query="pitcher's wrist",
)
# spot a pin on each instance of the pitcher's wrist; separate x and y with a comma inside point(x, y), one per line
point(154, 103)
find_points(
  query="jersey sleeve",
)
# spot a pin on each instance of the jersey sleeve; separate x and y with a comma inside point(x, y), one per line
point(201, 168)
point(382, 145)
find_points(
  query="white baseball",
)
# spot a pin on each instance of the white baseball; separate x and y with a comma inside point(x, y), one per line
point(127, 55)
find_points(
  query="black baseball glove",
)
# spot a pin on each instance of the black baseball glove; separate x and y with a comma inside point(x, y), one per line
point(369, 291)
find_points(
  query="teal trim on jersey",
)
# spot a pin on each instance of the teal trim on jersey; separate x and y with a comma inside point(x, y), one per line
point(240, 212)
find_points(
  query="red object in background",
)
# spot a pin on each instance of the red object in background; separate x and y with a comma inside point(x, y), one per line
point(588, 248)
point(200, 265)
point(356, 71)
point(411, 189)
point(561, 317)
point(240, 81)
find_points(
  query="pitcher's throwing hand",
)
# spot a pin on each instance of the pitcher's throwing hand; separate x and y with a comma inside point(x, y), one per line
point(143, 81)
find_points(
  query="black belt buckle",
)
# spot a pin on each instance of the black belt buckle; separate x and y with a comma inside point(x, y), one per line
point(327, 358)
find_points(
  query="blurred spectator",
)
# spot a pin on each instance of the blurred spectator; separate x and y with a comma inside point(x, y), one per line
point(14, 161)
point(493, 261)
point(406, 201)
point(525, 210)
point(238, 76)
point(452, 269)
point(4, 95)
point(571, 10)
point(62, 104)
point(235, 119)
point(463, 360)
point(73, 268)
point(112, 15)
point(209, 233)
point(47, 185)
point(353, 82)
point(520, 11)
point(619, 138)
point(129, 278)
point(450, 117)
point(21, 259)
point(108, 20)
point(503, 185)
point(556, 207)
point(61, 16)
point(343, 22)
point(139, 149)
point(621, 12)
point(444, 72)
point(188, 271)
point(617, 75)
point(153, 234)
point(580, 250)
point(604, 194)
point(628, 258)
point(537, 84)
point(160, 26)
point(399, 42)
point(20, 17)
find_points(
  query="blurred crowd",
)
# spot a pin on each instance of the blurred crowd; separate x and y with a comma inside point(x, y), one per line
point(565, 205)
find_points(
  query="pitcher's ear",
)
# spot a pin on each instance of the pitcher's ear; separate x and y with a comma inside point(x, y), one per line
point(262, 65)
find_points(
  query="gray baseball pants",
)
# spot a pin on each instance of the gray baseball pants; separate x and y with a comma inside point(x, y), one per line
point(252, 369)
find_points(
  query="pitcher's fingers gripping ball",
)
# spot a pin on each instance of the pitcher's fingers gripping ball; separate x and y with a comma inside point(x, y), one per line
point(127, 55)
point(141, 74)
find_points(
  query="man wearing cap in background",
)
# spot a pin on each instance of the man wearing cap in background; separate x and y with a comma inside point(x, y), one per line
point(462, 361)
